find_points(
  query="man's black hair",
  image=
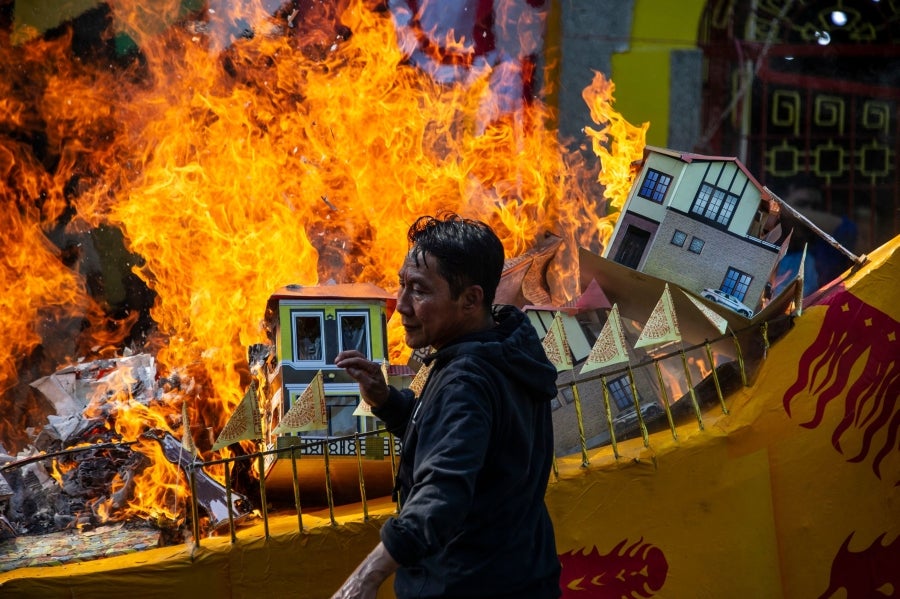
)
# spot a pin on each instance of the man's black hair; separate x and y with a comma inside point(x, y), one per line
point(468, 252)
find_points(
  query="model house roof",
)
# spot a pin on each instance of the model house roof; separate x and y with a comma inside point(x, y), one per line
point(336, 291)
point(689, 157)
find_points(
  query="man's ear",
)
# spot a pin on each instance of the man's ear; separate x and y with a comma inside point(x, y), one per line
point(472, 297)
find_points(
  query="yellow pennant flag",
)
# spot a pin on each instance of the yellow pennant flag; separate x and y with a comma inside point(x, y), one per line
point(307, 412)
point(418, 382)
point(609, 348)
point(244, 424)
point(187, 441)
point(556, 345)
point(364, 409)
point(717, 321)
point(662, 326)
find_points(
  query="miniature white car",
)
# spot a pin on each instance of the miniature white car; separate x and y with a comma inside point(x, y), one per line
point(627, 419)
point(727, 300)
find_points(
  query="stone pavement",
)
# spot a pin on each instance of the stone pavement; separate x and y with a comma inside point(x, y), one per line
point(72, 546)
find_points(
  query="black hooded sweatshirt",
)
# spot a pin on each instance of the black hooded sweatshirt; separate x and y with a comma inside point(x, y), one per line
point(476, 456)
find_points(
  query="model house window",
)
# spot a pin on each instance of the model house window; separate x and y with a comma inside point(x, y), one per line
point(655, 186)
point(678, 238)
point(736, 283)
point(696, 245)
point(714, 204)
point(309, 340)
point(353, 328)
point(620, 390)
point(341, 420)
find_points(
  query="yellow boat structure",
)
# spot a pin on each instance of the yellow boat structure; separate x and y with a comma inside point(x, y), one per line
point(793, 493)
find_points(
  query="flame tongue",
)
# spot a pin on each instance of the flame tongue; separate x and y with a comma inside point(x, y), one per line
point(245, 151)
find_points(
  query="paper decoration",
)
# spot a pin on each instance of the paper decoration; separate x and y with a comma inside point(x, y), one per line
point(308, 410)
point(187, 441)
point(609, 348)
point(556, 346)
point(418, 382)
point(662, 326)
point(374, 447)
point(593, 298)
point(362, 409)
point(716, 320)
point(244, 423)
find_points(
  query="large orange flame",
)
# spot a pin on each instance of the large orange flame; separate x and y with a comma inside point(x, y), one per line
point(240, 150)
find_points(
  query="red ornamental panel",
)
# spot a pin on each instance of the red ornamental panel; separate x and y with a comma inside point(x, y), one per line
point(636, 571)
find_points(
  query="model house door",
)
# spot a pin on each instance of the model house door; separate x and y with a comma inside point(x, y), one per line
point(632, 247)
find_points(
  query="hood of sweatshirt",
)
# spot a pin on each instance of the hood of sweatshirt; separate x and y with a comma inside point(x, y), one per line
point(514, 348)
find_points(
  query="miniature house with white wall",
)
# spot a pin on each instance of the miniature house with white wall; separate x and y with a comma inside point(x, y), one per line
point(309, 326)
point(699, 222)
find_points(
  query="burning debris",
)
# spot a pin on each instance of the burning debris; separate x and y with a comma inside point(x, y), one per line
point(79, 473)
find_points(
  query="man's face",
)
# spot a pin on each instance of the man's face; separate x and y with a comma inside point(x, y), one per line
point(430, 316)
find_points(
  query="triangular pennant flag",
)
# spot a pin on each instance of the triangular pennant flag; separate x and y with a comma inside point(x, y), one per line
point(308, 410)
point(609, 348)
point(593, 298)
point(556, 346)
point(662, 326)
point(362, 409)
point(418, 382)
point(717, 321)
point(187, 441)
point(798, 299)
point(244, 424)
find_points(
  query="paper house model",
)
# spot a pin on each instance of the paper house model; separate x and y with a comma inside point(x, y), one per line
point(309, 326)
point(700, 222)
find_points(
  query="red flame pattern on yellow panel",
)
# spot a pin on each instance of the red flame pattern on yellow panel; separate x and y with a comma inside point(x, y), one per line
point(871, 572)
point(638, 570)
point(854, 357)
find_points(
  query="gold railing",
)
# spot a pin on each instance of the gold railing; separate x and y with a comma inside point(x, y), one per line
point(319, 447)
point(324, 447)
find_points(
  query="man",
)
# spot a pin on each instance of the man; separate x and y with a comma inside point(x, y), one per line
point(477, 445)
point(805, 196)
